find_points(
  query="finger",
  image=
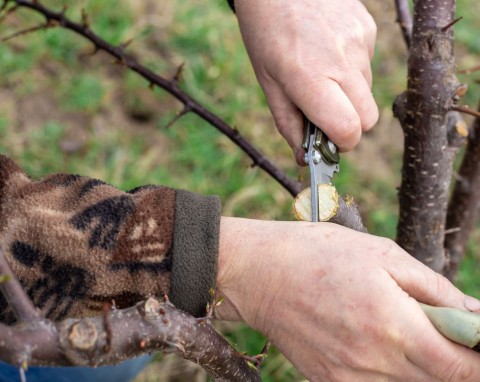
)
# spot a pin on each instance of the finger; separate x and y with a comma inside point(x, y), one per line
point(288, 118)
point(325, 103)
point(441, 358)
point(357, 89)
point(425, 285)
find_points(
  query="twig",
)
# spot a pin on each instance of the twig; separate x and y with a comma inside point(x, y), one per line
point(466, 110)
point(21, 305)
point(171, 87)
point(469, 70)
point(26, 31)
point(404, 19)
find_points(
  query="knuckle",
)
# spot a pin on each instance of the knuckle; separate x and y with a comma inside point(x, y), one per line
point(456, 371)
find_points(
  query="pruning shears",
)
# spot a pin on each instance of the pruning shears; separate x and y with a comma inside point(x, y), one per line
point(322, 158)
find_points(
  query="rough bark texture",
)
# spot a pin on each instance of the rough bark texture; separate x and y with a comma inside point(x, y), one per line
point(120, 334)
point(465, 202)
point(422, 111)
point(348, 215)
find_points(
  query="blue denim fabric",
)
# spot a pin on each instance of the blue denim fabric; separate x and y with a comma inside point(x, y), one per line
point(123, 372)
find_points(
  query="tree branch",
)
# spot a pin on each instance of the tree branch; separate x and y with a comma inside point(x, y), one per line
point(404, 19)
point(147, 327)
point(466, 110)
point(171, 86)
point(464, 203)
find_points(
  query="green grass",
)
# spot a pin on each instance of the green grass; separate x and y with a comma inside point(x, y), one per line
point(54, 92)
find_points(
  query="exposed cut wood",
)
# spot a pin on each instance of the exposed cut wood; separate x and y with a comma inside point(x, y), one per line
point(327, 203)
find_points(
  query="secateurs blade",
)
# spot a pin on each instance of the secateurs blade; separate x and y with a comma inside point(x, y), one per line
point(322, 158)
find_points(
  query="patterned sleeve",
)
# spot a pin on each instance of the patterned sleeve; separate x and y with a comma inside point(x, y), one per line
point(77, 243)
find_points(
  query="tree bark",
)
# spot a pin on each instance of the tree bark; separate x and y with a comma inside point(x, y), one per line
point(422, 110)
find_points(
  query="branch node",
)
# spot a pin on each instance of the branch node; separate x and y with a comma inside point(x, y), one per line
point(460, 91)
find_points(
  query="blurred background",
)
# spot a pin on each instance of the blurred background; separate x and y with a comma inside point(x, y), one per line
point(63, 109)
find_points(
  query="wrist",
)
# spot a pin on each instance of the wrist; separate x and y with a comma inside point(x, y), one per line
point(241, 276)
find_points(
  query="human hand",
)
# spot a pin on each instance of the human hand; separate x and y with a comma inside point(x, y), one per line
point(313, 57)
point(340, 304)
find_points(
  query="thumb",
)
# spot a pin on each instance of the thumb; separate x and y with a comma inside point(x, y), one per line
point(428, 286)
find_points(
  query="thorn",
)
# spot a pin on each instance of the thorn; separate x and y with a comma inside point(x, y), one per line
point(151, 86)
point(126, 44)
point(178, 75)
point(85, 20)
point(451, 24)
point(179, 115)
point(64, 10)
point(94, 51)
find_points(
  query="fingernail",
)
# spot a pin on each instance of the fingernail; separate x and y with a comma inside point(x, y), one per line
point(471, 303)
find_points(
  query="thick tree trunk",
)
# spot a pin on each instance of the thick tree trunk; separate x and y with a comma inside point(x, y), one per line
point(422, 110)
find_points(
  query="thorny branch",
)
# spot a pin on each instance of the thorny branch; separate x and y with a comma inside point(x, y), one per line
point(171, 86)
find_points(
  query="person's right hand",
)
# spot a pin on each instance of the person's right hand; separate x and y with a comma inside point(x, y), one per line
point(340, 304)
point(313, 57)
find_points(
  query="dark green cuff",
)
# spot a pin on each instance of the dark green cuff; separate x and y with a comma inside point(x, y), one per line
point(195, 251)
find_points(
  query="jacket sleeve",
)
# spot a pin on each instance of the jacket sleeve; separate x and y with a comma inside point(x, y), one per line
point(77, 243)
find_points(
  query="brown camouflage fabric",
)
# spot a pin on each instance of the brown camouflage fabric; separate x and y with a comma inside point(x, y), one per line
point(77, 243)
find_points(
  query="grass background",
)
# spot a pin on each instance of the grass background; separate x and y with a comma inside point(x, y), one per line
point(65, 110)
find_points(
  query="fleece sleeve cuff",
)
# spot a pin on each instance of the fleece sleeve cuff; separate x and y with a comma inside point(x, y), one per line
point(195, 251)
